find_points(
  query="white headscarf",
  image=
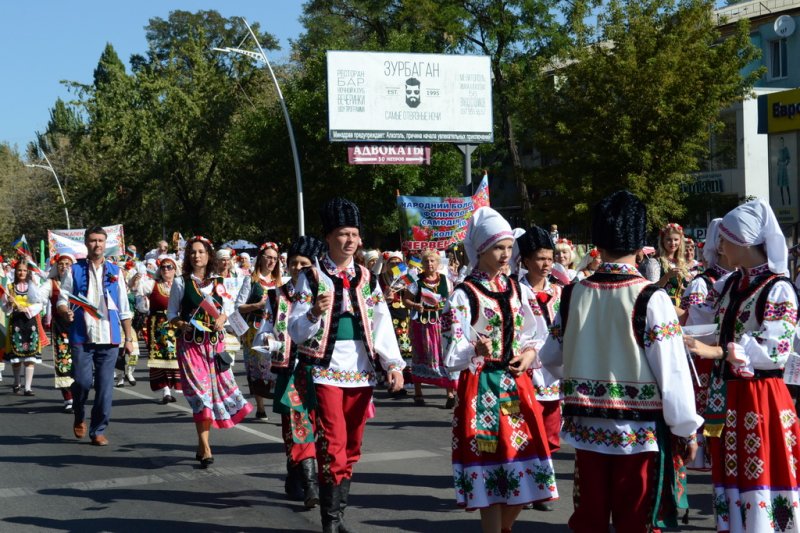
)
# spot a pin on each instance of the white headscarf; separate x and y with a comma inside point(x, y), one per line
point(223, 253)
point(752, 224)
point(384, 260)
point(485, 228)
point(710, 252)
point(515, 264)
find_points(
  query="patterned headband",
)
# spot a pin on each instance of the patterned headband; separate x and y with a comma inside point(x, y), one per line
point(564, 241)
point(268, 246)
point(200, 238)
point(672, 226)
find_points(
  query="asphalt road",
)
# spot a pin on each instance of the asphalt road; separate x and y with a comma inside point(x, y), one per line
point(147, 480)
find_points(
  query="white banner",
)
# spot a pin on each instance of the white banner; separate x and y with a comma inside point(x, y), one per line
point(381, 96)
point(71, 241)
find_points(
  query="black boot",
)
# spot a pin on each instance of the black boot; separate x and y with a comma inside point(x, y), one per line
point(308, 469)
point(329, 502)
point(345, 495)
point(294, 482)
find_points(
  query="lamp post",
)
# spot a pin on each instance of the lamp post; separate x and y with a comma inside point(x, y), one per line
point(261, 56)
point(49, 167)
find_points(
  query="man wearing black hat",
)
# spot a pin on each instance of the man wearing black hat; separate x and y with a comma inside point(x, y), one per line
point(341, 325)
point(627, 387)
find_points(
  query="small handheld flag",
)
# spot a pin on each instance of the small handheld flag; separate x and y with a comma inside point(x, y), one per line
point(430, 298)
point(402, 276)
point(415, 262)
point(83, 303)
point(208, 306)
point(21, 246)
point(199, 325)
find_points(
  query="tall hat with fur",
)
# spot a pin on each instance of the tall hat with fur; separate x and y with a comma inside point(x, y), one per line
point(536, 238)
point(619, 223)
point(339, 212)
point(306, 246)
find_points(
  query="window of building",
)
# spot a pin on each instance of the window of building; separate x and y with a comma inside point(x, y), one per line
point(779, 63)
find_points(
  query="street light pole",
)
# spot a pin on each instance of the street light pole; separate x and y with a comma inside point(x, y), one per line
point(49, 167)
point(263, 57)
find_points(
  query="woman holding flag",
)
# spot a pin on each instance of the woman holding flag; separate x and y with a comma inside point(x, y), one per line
point(393, 279)
point(195, 309)
point(59, 328)
point(22, 304)
point(426, 300)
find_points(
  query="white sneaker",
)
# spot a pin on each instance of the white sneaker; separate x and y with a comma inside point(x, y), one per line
point(129, 375)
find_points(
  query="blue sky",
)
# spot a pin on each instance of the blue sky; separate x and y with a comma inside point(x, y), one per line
point(45, 41)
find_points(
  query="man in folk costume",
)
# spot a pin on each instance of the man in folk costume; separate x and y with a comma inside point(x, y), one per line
point(95, 335)
point(628, 398)
point(341, 325)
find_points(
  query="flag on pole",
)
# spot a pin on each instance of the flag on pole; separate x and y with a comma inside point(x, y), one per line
point(415, 262)
point(33, 267)
point(430, 298)
point(402, 276)
point(209, 307)
point(199, 325)
point(83, 303)
point(21, 246)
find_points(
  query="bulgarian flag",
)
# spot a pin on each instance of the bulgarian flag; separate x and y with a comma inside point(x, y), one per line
point(33, 267)
point(402, 276)
point(83, 303)
point(209, 307)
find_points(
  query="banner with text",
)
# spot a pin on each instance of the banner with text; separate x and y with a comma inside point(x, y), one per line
point(389, 154)
point(70, 241)
point(438, 222)
point(393, 97)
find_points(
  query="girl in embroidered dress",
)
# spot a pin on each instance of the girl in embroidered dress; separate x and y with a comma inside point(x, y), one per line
point(195, 310)
point(297, 415)
point(671, 272)
point(426, 299)
point(152, 299)
point(754, 458)
point(501, 459)
point(565, 256)
point(59, 330)
point(251, 303)
point(23, 344)
point(400, 313)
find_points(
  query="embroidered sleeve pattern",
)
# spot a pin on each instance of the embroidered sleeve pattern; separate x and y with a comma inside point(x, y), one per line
point(662, 332)
point(695, 298)
point(769, 347)
point(457, 349)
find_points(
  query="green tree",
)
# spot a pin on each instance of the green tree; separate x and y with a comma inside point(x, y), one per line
point(634, 107)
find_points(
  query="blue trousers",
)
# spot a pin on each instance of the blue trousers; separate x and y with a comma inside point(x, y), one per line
point(93, 362)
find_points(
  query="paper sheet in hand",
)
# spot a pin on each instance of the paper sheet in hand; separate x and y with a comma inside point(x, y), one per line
point(238, 324)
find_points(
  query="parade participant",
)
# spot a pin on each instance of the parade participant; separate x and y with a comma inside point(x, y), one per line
point(297, 414)
point(250, 302)
point(588, 264)
point(341, 325)
point(59, 328)
point(126, 362)
point(95, 333)
point(671, 273)
point(626, 382)
point(161, 249)
point(749, 408)
point(245, 268)
point(501, 460)
point(457, 268)
point(371, 258)
point(196, 311)
point(152, 300)
point(565, 256)
point(426, 299)
point(401, 319)
point(230, 277)
point(536, 251)
point(693, 266)
point(22, 304)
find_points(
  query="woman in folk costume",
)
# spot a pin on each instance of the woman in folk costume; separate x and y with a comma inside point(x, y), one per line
point(544, 297)
point(692, 265)
point(754, 460)
point(59, 329)
point(501, 460)
point(588, 264)
point(342, 327)
point(698, 304)
point(426, 299)
point(401, 315)
point(195, 310)
point(127, 362)
point(250, 302)
point(565, 256)
point(671, 271)
point(294, 399)
point(152, 299)
point(22, 304)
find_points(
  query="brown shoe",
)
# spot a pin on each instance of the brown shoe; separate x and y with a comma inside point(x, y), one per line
point(79, 430)
point(99, 440)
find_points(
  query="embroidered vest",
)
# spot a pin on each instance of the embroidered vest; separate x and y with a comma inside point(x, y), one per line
point(280, 302)
point(496, 315)
point(80, 286)
point(257, 291)
point(606, 374)
point(548, 309)
point(432, 313)
point(318, 350)
point(158, 301)
point(190, 307)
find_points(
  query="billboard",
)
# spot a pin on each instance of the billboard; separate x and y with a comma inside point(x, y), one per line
point(400, 97)
point(783, 179)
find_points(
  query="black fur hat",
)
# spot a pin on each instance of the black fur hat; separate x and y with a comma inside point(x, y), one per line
point(536, 238)
point(306, 246)
point(337, 213)
point(619, 223)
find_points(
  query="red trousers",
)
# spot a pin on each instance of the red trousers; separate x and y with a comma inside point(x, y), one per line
point(551, 416)
point(341, 416)
point(296, 452)
point(619, 487)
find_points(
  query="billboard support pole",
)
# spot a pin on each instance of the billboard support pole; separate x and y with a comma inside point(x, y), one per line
point(466, 150)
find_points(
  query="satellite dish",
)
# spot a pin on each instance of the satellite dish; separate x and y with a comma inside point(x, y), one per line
point(784, 26)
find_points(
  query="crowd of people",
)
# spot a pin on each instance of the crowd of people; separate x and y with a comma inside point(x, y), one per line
point(644, 359)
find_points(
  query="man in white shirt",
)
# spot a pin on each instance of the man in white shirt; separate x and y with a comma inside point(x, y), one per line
point(96, 331)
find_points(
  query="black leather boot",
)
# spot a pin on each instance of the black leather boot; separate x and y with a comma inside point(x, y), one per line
point(329, 502)
point(308, 468)
point(344, 488)
point(294, 482)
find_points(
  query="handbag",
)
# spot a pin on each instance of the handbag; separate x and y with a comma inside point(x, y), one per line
point(224, 360)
